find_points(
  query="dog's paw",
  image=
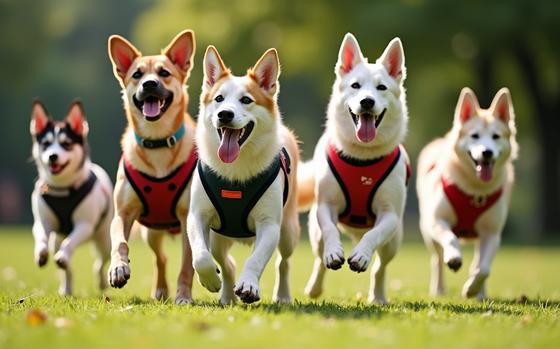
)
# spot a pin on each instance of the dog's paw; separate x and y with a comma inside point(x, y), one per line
point(379, 300)
point(359, 260)
point(452, 257)
point(247, 291)
point(474, 287)
point(180, 300)
point(183, 296)
point(41, 256)
point(61, 258)
point(333, 257)
point(119, 273)
point(161, 294)
point(207, 272)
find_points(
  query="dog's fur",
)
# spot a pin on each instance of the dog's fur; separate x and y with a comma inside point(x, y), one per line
point(318, 184)
point(177, 60)
point(62, 164)
point(275, 226)
point(457, 157)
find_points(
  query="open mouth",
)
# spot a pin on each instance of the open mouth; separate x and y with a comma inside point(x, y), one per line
point(366, 124)
point(231, 141)
point(56, 168)
point(153, 107)
point(484, 168)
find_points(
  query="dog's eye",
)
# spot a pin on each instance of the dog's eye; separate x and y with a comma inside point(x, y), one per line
point(137, 74)
point(246, 100)
point(164, 73)
point(495, 136)
point(381, 87)
point(356, 85)
point(475, 136)
point(219, 98)
point(66, 145)
point(45, 144)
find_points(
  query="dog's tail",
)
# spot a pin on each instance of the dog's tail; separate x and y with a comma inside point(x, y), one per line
point(306, 185)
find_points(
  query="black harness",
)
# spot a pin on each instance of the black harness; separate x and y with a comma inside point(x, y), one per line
point(63, 205)
point(234, 200)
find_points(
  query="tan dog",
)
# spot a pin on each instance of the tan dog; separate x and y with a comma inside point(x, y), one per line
point(153, 180)
point(245, 188)
point(464, 187)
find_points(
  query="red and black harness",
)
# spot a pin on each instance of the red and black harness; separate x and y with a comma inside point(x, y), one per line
point(359, 181)
point(468, 208)
point(159, 196)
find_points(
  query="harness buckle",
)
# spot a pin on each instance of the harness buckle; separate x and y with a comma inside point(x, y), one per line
point(171, 141)
point(479, 201)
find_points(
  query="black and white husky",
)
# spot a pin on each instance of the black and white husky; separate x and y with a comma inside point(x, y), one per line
point(71, 201)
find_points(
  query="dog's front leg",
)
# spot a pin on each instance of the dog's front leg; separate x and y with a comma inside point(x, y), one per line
point(442, 234)
point(82, 232)
point(119, 270)
point(333, 253)
point(198, 230)
point(485, 252)
point(383, 230)
point(41, 231)
point(247, 287)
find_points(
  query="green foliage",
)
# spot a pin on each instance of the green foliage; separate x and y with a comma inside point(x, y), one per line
point(524, 310)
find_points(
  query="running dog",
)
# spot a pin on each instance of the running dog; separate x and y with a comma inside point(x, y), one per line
point(245, 185)
point(464, 187)
point(71, 201)
point(159, 157)
point(356, 182)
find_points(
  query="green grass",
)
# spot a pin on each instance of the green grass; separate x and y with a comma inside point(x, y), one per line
point(341, 319)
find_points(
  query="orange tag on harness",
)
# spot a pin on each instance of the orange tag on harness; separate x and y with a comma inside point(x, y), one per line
point(231, 194)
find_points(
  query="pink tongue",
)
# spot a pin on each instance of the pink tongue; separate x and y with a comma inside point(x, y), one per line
point(229, 148)
point(151, 108)
point(366, 129)
point(485, 172)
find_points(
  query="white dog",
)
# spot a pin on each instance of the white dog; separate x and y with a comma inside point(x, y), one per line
point(71, 201)
point(359, 169)
point(464, 186)
point(244, 188)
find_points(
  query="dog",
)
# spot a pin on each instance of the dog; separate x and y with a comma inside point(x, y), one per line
point(356, 181)
point(71, 201)
point(464, 186)
point(159, 158)
point(245, 187)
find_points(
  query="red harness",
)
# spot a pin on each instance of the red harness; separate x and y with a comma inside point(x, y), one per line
point(359, 181)
point(159, 196)
point(468, 208)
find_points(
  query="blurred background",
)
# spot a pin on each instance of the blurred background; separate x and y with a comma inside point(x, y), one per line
point(56, 50)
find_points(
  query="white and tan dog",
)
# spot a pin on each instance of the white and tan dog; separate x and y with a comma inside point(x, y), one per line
point(359, 170)
point(159, 157)
point(464, 186)
point(71, 201)
point(244, 189)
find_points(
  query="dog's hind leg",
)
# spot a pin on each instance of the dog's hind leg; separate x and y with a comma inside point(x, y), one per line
point(437, 280)
point(102, 243)
point(485, 252)
point(155, 238)
point(220, 247)
point(65, 286)
point(185, 278)
point(314, 286)
point(289, 237)
point(385, 254)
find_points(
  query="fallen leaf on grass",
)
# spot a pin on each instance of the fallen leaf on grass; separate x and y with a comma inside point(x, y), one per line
point(36, 317)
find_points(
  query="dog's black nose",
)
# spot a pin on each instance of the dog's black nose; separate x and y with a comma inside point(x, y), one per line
point(367, 103)
point(225, 116)
point(53, 157)
point(150, 84)
point(487, 154)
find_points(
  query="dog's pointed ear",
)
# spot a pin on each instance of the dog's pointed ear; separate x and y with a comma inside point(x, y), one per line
point(122, 54)
point(393, 59)
point(39, 118)
point(213, 67)
point(349, 55)
point(77, 119)
point(267, 71)
point(467, 105)
point(181, 51)
point(502, 106)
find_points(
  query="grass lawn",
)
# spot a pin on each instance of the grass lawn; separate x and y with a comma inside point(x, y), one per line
point(340, 319)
